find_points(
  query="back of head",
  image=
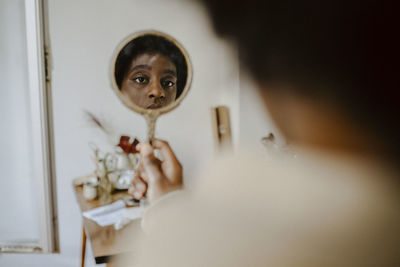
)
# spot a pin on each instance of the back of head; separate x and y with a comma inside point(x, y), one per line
point(344, 52)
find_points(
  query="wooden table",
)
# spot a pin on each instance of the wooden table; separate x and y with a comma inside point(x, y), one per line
point(106, 242)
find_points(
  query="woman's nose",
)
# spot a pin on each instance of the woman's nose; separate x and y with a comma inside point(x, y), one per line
point(155, 91)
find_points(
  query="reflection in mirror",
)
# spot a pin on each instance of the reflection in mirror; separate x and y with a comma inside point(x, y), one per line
point(151, 72)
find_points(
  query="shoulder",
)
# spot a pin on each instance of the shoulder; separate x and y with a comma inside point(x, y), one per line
point(312, 211)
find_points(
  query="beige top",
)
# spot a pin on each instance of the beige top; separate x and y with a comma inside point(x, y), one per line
point(315, 210)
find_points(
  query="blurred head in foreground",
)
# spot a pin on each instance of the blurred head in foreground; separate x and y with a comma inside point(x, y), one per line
point(327, 69)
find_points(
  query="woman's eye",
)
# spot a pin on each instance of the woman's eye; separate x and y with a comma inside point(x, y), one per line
point(140, 79)
point(168, 84)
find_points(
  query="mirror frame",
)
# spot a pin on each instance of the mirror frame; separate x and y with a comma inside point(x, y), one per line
point(129, 104)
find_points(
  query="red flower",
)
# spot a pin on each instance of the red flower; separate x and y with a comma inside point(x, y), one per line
point(128, 146)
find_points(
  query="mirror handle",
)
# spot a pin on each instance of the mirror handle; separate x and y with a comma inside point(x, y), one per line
point(151, 119)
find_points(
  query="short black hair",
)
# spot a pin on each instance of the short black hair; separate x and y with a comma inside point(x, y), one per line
point(150, 43)
point(343, 51)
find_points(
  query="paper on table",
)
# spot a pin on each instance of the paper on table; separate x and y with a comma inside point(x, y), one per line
point(110, 214)
point(133, 213)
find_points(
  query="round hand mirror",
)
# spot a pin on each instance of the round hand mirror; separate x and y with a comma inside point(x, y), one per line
point(151, 73)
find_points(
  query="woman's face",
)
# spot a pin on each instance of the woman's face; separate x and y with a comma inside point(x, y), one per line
point(151, 81)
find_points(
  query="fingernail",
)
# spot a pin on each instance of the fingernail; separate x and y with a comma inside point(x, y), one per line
point(137, 195)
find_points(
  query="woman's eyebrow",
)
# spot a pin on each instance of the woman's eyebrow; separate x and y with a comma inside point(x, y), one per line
point(147, 67)
point(167, 71)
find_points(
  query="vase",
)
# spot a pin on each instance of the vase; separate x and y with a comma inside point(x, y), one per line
point(105, 191)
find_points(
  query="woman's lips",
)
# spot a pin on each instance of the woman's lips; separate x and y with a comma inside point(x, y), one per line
point(154, 106)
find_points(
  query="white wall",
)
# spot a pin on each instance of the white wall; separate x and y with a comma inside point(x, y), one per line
point(83, 35)
point(255, 122)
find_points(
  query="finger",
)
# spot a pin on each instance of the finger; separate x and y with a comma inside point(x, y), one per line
point(147, 155)
point(171, 167)
point(138, 188)
point(140, 185)
point(142, 173)
point(136, 194)
point(166, 151)
point(131, 188)
point(150, 165)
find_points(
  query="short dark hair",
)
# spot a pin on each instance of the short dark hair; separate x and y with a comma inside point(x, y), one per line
point(344, 51)
point(150, 43)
